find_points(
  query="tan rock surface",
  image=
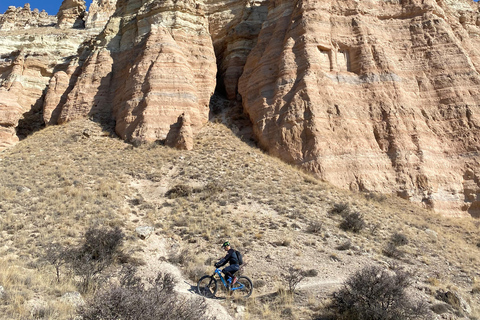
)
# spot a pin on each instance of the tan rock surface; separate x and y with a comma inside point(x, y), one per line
point(28, 60)
point(372, 96)
point(24, 18)
point(71, 14)
point(99, 13)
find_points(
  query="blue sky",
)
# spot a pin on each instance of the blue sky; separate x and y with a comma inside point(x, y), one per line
point(51, 6)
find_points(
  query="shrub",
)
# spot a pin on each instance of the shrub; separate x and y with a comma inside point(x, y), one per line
point(315, 227)
point(340, 208)
point(179, 191)
point(344, 246)
point(391, 250)
point(55, 254)
point(353, 222)
point(399, 239)
point(310, 273)
point(292, 277)
point(132, 299)
point(376, 294)
point(101, 247)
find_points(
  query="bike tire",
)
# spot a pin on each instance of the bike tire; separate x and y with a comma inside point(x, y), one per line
point(247, 289)
point(207, 286)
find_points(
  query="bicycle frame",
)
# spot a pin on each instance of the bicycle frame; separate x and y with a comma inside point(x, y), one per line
point(219, 273)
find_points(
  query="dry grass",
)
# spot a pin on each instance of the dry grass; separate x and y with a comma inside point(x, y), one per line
point(58, 182)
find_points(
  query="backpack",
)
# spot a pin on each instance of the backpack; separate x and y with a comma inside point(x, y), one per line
point(239, 257)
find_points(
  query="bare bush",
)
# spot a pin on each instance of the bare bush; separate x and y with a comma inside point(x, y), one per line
point(310, 273)
point(101, 247)
point(315, 227)
point(55, 254)
point(340, 208)
point(292, 277)
point(391, 249)
point(133, 299)
point(376, 294)
point(399, 239)
point(353, 222)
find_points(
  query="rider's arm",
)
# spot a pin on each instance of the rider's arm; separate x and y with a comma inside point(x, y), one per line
point(225, 259)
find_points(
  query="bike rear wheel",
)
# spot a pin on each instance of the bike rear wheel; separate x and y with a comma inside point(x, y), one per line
point(207, 286)
point(243, 288)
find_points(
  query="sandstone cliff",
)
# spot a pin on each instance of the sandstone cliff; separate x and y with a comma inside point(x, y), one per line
point(373, 95)
point(369, 95)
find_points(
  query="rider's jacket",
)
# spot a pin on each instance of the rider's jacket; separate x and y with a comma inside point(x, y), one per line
point(230, 257)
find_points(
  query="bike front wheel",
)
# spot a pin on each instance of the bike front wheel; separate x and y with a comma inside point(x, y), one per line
point(207, 286)
point(243, 288)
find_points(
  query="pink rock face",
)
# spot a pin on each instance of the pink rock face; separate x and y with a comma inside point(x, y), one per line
point(150, 72)
point(90, 95)
point(10, 113)
point(370, 97)
point(170, 76)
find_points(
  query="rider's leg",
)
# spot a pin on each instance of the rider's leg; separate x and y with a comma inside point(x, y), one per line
point(230, 270)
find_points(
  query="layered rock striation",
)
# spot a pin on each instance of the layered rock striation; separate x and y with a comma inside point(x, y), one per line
point(372, 96)
point(377, 96)
point(24, 18)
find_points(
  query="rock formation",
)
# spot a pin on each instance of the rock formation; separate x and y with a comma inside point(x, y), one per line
point(99, 13)
point(23, 18)
point(180, 135)
point(71, 14)
point(370, 95)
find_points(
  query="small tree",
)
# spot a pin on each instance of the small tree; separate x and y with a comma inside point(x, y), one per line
point(376, 294)
point(56, 255)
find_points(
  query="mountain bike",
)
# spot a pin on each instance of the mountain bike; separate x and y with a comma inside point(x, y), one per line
point(207, 285)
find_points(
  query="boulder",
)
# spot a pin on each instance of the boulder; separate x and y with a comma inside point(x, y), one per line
point(144, 232)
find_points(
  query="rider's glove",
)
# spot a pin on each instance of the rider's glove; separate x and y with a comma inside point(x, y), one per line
point(216, 265)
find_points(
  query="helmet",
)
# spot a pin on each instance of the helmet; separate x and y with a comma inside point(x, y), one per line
point(225, 244)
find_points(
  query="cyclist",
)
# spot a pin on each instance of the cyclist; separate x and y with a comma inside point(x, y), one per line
point(232, 258)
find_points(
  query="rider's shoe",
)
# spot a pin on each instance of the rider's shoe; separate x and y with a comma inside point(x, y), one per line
point(234, 280)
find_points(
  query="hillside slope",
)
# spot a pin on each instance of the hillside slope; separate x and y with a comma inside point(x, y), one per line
point(63, 179)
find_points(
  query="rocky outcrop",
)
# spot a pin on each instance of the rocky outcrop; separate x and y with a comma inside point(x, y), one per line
point(152, 63)
point(372, 96)
point(99, 13)
point(71, 14)
point(234, 27)
point(24, 18)
point(27, 63)
point(369, 95)
point(180, 135)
